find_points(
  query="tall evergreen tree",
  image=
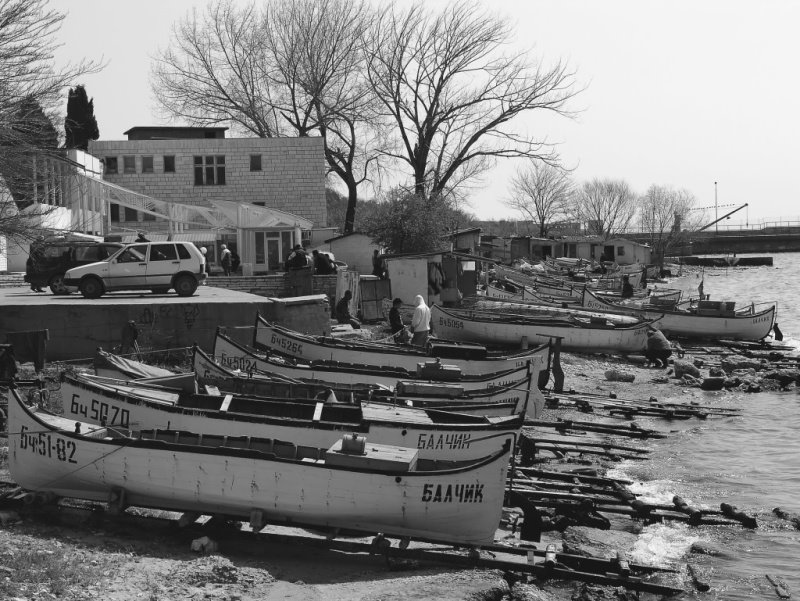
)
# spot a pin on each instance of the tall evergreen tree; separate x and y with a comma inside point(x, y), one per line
point(80, 126)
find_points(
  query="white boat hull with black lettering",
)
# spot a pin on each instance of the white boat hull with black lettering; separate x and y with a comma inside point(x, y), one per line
point(255, 478)
point(491, 328)
point(305, 422)
point(273, 338)
point(750, 324)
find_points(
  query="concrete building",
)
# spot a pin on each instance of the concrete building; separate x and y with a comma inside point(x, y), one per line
point(197, 165)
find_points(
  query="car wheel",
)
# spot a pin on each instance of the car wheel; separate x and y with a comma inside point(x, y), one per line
point(91, 288)
point(57, 284)
point(185, 285)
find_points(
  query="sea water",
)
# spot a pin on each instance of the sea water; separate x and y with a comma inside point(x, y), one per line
point(751, 461)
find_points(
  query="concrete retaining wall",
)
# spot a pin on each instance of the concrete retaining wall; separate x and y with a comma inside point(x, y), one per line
point(275, 286)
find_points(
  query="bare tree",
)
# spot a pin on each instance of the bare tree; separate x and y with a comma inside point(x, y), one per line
point(292, 68)
point(452, 93)
point(540, 192)
point(30, 89)
point(667, 215)
point(607, 206)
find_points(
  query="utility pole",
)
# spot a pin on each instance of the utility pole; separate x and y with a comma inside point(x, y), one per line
point(716, 209)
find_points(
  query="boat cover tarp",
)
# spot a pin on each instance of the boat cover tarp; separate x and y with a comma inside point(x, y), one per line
point(130, 368)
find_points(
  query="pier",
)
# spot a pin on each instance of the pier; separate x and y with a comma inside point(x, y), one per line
point(77, 326)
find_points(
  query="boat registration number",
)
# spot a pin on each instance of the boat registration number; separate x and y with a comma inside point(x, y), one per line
point(451, 323)
point(240, 363)
point(287, 345)
point(100, 412)
point(47, 445)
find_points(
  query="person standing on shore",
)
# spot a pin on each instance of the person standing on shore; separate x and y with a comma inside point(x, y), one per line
point(225, 259)
point(420, 322)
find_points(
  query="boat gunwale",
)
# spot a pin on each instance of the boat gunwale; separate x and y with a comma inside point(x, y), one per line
point(473, 422)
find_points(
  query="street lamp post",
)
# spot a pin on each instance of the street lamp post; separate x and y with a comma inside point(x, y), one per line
point(716, 210)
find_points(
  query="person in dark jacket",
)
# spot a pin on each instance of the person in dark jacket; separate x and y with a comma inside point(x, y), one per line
point(658, 347)
point(627, 289)
point(343, 311)
point(396, 325)
point(322, 263)
point(298, 259)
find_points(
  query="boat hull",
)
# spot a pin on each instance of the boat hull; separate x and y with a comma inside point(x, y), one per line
point(755, 326)
point(236, 357)
point(311, 424)
point(279, 340)
point(465, 326)
point(516, 397)
point(461, 505)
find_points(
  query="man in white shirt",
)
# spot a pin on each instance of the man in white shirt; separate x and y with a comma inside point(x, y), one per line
point(420, 322)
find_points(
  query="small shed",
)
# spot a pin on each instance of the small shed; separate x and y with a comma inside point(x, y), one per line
point(466, 241)
point(529, 247)
point(628, 252)
point(355, 249)
point(445, 277)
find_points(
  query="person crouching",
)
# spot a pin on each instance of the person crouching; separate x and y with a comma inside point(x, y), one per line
point(658, 347)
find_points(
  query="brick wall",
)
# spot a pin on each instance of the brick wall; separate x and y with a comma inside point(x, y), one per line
point(292, 175)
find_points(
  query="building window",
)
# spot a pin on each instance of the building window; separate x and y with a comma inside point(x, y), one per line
point(147, 164)
point(131, 214)
point(111, 164)
point(114, 210)
point(255, 162)
point(148, 217)
point(129, 164)
point(620, 251)
point(209, 170)
point(169, 163)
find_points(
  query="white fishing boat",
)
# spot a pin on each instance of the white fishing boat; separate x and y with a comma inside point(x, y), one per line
point(354, 484)
point(534, 309)
point(234, 356)
point(700, 319)
point(470, 359)
point(522, 396)
point(306, 422)
point(576, 334)
point(523, 293)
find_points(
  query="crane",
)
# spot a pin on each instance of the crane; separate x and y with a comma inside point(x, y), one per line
point(725, 216)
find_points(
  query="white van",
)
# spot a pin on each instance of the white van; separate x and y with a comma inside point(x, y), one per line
point(155, 266)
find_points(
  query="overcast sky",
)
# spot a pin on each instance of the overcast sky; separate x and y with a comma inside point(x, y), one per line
point(678, 92)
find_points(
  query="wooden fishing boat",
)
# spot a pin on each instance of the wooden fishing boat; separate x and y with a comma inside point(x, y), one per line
point(306, 422)
point(354, 484)
point(523, 293)
point(534, 309)
point(560, 287)
point(704, 319)
point(234, 356)
point(478, 361)
point(519, 397)
point(576, 334)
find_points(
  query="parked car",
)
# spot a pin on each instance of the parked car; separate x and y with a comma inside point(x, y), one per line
point(51, 258)
point(155, 266)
